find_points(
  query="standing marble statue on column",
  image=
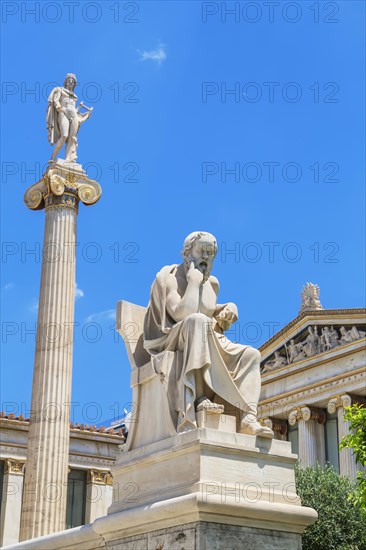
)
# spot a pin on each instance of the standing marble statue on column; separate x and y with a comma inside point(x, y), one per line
point(64, 118)
point(59, 191)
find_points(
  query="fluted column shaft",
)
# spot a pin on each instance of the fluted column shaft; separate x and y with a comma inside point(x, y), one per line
point(347, 461)
point(311, 435)
point(45, 484)
point(307, 443)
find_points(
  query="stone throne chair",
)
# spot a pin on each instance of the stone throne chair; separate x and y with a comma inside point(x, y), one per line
point(146, 383)
point(152, 419)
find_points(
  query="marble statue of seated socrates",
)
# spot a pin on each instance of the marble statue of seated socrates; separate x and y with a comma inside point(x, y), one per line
point(181, 359)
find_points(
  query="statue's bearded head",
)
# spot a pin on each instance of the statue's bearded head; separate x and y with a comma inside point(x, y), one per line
point(200, 248)
point(70, 81)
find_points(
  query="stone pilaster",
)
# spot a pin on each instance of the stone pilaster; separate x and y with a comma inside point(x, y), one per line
point(311, 434)
point(11, 505)
point(347, 462)
point(99, 494)
point(45, 485)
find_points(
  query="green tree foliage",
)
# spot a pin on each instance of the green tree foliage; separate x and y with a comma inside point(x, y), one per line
point(341, 523)
point(356, 440)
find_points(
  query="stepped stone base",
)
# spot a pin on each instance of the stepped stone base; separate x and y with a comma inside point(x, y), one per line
point(201, 490)
point(245, 470)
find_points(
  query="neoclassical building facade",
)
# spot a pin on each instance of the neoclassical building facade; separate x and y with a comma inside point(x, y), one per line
point(89, 487)
point(311, 370)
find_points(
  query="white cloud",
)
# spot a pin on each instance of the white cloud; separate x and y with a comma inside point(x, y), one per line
point(157, 55)
point(78, 292)
point(107, 314)
point(33, 307)
point(9, 286)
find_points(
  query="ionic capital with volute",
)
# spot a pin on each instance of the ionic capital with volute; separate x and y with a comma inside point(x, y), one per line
point(306, 413)
point(338, 402)
point(62, 186)
point(275, 424)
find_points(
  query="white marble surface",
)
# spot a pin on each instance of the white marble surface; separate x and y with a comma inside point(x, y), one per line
point(48, 440)
point(11, 506)
point(205, 461)
point(207, 370)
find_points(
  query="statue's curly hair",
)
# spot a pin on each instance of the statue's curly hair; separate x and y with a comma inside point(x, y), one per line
point(71, 75)
point(195, 236)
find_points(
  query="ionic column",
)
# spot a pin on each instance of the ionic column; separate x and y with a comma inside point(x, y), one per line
point(45, 484)
point(279, 427)
point(347, 462)
point(311, 434)
point(11, 506)
point(98, 495)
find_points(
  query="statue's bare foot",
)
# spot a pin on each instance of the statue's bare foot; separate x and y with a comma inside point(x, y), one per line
point(204, 404)
point(250, 426)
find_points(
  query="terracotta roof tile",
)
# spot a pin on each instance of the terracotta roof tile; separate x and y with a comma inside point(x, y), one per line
point(73, 426)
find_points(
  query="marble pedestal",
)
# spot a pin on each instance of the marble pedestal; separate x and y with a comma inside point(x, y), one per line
point(203, 489)
point(212, 476)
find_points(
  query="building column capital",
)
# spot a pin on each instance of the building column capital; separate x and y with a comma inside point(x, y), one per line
point(62, 186)
point(99, 494)
point(99, 477)
point(14, 466)
point(306, 413)
point(347, 460)
point(275, 424)
point(339, 402)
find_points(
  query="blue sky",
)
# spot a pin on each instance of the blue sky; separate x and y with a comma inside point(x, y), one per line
point(249, 125)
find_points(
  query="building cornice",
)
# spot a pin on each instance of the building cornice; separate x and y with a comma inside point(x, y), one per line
point(19, 423)
point(317, 385)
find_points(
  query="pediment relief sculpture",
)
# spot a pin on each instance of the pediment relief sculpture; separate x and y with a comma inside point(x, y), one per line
point(317, 339)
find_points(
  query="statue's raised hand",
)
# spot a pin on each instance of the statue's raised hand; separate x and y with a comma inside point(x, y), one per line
point(229, 313)
point(194, 276)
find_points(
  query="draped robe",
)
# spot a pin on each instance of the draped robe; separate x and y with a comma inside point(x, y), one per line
point(230, 370)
